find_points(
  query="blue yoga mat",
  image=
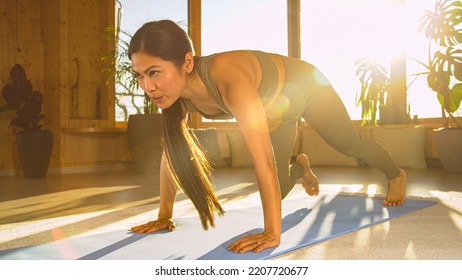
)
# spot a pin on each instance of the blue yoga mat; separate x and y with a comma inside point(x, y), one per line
point(306, 221)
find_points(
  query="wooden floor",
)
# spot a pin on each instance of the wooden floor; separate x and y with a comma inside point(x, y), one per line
point(76, 203)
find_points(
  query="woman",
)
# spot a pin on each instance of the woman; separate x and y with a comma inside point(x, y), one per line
point(266, 94)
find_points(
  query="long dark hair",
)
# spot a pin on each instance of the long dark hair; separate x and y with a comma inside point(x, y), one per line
point(191, 170)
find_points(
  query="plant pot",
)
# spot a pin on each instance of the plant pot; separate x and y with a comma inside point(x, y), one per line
point(34, 149)
point(449, 146)
point(144, 140)
point(392, 115)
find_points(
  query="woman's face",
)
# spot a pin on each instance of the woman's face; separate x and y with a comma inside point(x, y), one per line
point(162, 80)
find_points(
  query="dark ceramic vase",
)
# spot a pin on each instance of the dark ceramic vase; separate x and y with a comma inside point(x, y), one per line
point(34, 149)
point(448, 143)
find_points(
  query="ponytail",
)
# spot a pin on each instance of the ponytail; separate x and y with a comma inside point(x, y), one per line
point(191, 169)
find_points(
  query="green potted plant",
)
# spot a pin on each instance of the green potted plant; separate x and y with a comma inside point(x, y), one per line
point(375, 84)
point(443, 28)
point(377, 96)
point(119, 68)
point(33, 142)
point(144, 126)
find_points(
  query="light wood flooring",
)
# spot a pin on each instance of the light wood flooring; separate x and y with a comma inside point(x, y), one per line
point(34, 211)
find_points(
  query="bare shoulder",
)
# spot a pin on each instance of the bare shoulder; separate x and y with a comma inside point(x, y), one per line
point(233, 56)
point(232, 65)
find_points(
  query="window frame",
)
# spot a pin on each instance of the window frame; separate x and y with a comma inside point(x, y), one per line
point(294, 47)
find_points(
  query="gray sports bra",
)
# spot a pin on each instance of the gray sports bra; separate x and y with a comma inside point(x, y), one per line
point(202, 64)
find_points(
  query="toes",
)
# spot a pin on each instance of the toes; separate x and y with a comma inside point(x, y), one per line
point(387, 203)
point(309, 180)
point(314, 191)
point(310, 187)
point(310, 191)
point(392, 203)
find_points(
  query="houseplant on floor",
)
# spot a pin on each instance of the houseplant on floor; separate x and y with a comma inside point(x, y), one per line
point(33, 142)
point(144, 126)
point(376, 97)
point(443, 28)
point(374, 86)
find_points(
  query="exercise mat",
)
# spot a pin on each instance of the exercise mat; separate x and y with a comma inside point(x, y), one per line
point(306, 221)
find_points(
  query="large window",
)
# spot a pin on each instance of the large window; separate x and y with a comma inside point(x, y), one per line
point(334, 33)
point(133, 15)
point(242, 24)
point(422, 99)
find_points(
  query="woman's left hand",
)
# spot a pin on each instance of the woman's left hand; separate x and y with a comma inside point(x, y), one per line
point(255, 242)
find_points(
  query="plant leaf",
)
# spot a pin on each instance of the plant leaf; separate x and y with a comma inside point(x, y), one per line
point(18, 75)
point(455, 98)
point(11, 96)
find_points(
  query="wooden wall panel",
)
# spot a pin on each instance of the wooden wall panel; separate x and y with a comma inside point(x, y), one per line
point(95, 148)
point(86, 46)
point(20, 43)
point(54, 30)
point(7, 144)
point(27, 53)
point(20, 19)
point(44, 36)
point(30, 55)
point(84, 50)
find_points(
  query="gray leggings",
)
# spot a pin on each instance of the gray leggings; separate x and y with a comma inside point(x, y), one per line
point(306, 93)
point(328, 116)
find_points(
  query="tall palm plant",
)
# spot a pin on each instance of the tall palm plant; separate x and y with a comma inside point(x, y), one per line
point(375, 84)
point(120, 68)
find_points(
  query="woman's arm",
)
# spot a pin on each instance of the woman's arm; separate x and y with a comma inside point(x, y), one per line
point(239, 87)
point(260, 148)
point(168, 191)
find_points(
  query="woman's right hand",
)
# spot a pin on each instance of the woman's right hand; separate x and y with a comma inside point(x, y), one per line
point(153, 226)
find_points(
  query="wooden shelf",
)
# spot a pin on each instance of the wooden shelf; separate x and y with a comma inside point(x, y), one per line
point(94, 130)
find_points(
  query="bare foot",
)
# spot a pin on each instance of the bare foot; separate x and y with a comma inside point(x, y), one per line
point(396, 190)
point(309, 181)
